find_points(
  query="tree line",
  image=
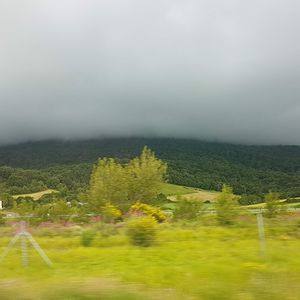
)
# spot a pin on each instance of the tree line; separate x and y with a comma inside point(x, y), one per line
point(67, 166)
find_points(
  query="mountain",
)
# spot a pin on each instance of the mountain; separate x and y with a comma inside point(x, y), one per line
point(207, 165)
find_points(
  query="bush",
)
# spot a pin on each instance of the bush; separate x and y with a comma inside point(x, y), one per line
point(2, 219)
point(142, 231)
point(147, 210)
point(111, 213)
point(188, 209)
point(226, 206)
point(87, 237)
point(272, 204)
point(250, 199)
point(107, 229)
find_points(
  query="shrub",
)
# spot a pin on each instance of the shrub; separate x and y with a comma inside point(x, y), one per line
point(147, 210)
point(111, 213)
point(87, 237)
point(106, 229)
point(142, 231)
point(226, 206)
point(250, 199)
point(188, 209)
point(2, 219)
point(272, 204)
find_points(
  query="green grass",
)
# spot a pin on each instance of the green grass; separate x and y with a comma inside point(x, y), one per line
point(172, 189)
point(189, 261)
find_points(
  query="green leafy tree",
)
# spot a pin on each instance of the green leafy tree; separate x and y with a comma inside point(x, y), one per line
point(113, 183)
point(8, 201)
point(58, 210)
point(272, 204)
point(226, 205)
point(108, 185)
point(145, 174)
point(61, 211)
point(24, 207)
point(188, 209)
point(2, 219)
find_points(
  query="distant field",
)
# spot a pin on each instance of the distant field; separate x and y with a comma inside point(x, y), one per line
point(263, 205)
point(203, 195)
point(36, 196)
point(168, 189)
point(174, 190)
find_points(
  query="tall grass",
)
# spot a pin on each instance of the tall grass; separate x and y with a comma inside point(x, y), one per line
point(189, 260)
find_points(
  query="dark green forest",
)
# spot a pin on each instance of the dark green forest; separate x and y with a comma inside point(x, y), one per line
point(67, 165)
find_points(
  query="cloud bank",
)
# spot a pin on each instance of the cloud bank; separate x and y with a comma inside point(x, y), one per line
point(207, 69)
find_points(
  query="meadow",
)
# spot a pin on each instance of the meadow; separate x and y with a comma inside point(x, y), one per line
point(190, 260)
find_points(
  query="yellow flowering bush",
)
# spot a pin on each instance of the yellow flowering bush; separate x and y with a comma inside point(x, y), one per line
point(145, 209)
point(111, 213)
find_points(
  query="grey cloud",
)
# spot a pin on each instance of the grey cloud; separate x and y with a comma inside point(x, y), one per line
point(208, 69)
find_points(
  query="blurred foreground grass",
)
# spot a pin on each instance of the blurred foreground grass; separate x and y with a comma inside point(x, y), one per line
point(189, 261)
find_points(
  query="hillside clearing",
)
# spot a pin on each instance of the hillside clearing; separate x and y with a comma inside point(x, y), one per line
point(201, 195)
point(172, 189)
point(36, 196)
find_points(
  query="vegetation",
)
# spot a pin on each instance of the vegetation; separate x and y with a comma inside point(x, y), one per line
point(186, 262)
point(139, 209)
point(142, 231)
point(67, 166)
point(169, 189)
point(114, 225)
point(87, 237)
point(122, 185)
point(272, 204)
point(188, 209)
point(226, 206)
point(35, 196)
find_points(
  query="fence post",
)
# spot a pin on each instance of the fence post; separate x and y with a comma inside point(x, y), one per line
point(261, 234)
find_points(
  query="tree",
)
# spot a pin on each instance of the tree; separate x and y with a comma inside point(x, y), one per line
point(122, 185)
point(8, 201)
point(226, 206)
point(145, 175)
point(108, 185)
point(188, 209)
point(272, 204)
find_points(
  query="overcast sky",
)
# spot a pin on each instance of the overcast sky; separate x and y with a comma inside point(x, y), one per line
point(225, 70)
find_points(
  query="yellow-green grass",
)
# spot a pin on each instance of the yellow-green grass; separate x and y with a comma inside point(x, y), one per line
point(201, 195)
point(36, 196)
point(173, 189)
point(200, 263)
point(263, 205)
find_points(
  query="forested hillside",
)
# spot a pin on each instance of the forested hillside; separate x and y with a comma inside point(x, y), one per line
point(68, 164)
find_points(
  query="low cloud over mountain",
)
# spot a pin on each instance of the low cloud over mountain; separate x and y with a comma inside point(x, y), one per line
point(207, 69)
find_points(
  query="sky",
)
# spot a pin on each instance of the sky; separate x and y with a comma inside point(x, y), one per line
point(217, 70)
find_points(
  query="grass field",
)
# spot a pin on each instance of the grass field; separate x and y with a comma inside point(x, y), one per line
point(172, 189)
point(36, 196)
point(189, 261)
point(166, 188)
point(201, 195)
